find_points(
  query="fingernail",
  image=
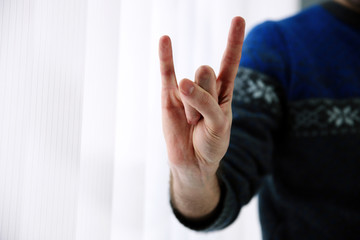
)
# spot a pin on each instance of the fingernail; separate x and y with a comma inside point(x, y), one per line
point(187, 87)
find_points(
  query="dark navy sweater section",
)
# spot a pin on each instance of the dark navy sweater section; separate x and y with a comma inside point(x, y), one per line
point(312, 187)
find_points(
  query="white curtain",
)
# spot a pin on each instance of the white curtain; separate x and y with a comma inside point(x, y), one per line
point(81, 149)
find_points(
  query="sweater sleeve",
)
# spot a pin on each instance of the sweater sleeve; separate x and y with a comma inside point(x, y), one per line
point(257, 115)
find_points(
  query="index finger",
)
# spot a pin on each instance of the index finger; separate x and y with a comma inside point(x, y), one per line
point(231, 58)
point(167, 63)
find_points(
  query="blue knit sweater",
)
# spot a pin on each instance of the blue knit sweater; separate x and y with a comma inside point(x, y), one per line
point(295, 137)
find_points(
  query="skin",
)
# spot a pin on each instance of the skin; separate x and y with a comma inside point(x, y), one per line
point(352, 4)
point(196, 119)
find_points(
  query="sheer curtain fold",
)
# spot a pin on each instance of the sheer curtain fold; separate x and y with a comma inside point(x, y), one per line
point(41, 77)
point(98, 120)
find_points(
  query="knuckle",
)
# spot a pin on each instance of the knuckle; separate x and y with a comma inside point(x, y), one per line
point(230, 59)
point(235, 42)
point(192, 115)
point(167, 72)
point(193, 120)
point(170, 101)
point(204, 100)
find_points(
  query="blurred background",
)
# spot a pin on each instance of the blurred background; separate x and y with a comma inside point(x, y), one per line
point(81, 149)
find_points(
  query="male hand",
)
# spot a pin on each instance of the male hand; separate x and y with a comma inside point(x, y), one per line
point(197, 116)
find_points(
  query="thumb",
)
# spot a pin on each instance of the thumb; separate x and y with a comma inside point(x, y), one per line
point(202, 101)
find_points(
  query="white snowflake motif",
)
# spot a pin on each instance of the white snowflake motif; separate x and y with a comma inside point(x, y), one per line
point(259, 90)
point(343, 116)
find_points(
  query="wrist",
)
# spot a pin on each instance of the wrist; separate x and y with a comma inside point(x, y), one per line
point(194, 177)
point(194, 197)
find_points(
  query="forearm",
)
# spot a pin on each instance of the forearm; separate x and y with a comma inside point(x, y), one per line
point(194, 198)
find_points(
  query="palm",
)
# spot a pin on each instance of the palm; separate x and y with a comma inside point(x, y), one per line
point(178, 133)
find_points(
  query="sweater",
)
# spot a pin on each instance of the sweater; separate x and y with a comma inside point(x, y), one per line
point(295, 136)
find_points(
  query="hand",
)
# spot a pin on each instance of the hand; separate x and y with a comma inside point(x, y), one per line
point(197, 116)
